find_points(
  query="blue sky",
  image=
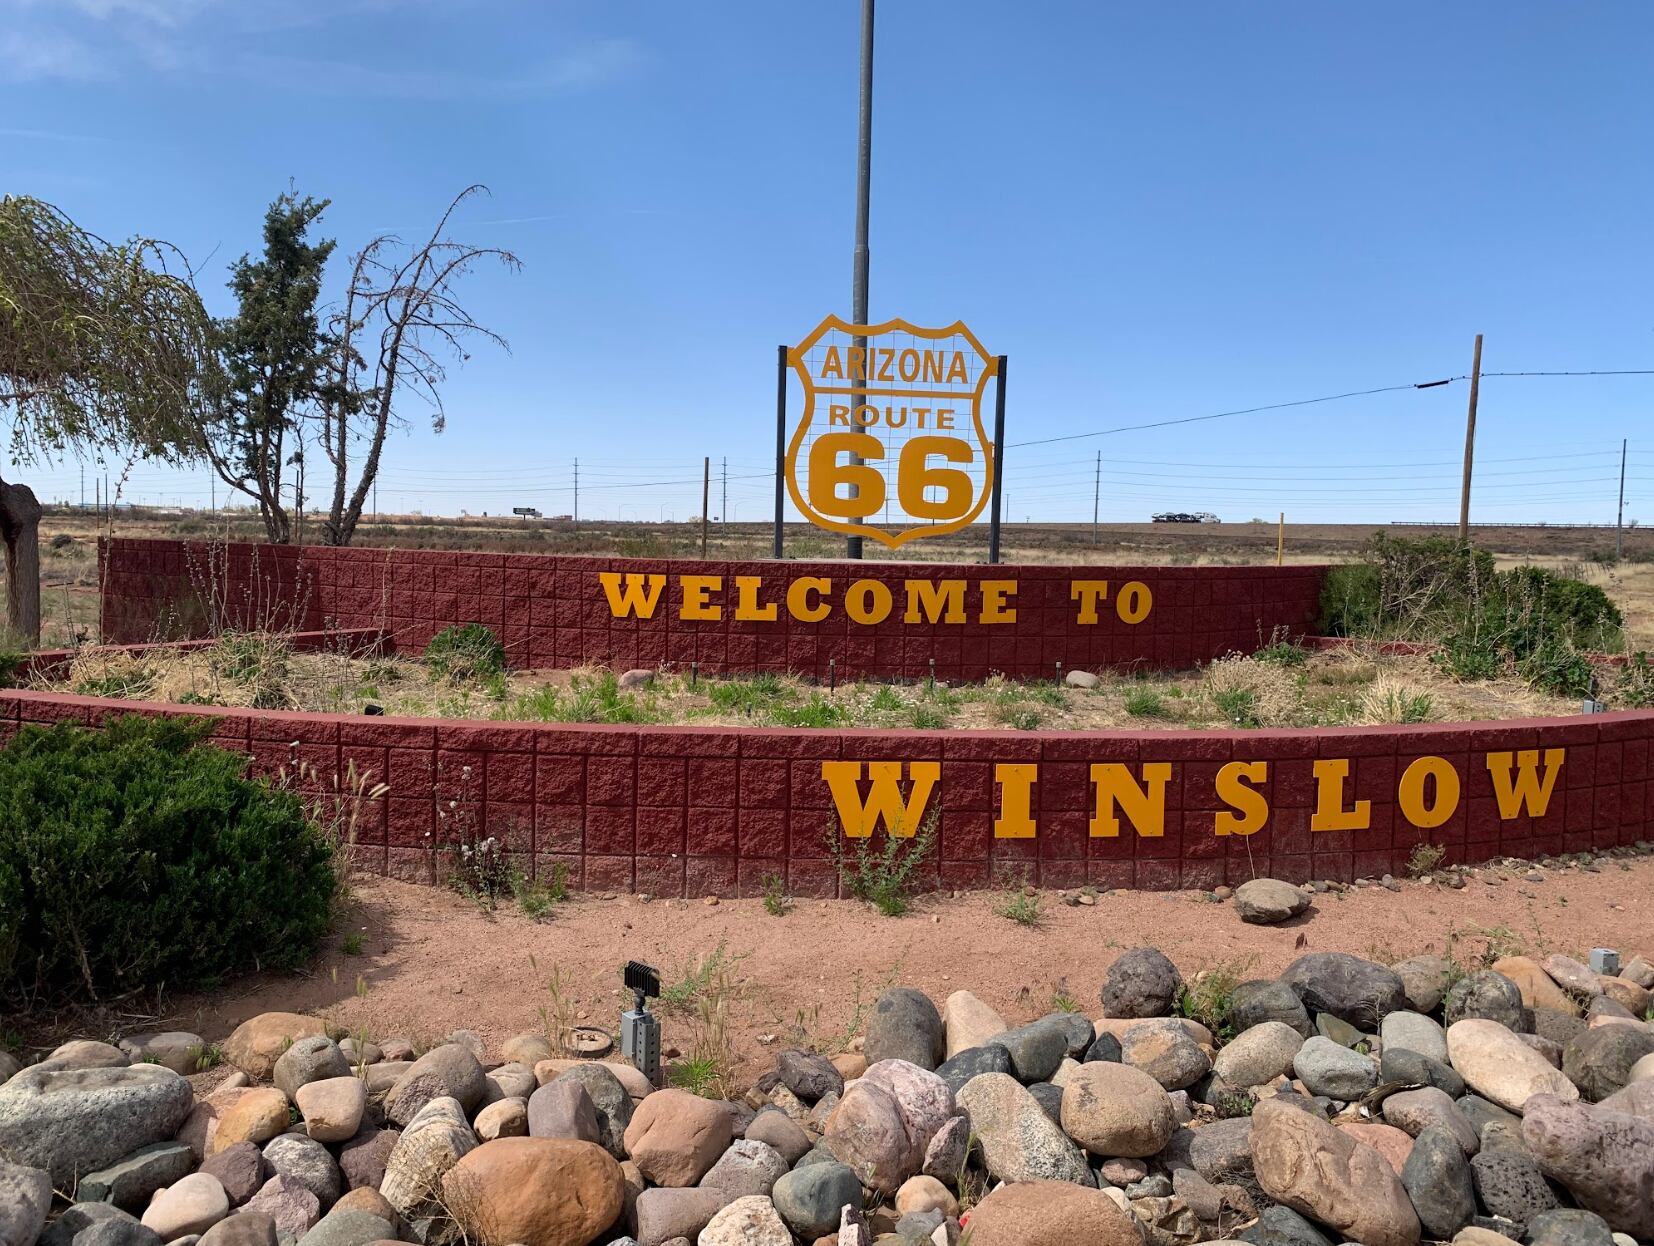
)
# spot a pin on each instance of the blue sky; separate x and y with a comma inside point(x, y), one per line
point(1156, 211)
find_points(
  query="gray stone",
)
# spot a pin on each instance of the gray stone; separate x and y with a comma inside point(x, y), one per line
point(1165, 1051)
point(1258, 1055)
point(1604, 1158)
point(1266, 901)
point(308, 1162)
point(1019, 1141)
point(1569, 1227)
point(1141, 982)
point(1425, 979)
point(1503, 1136)
point(1545, 1047)
point(449, 1071)
point(665, 1213)
point(809, 1075)
point(1281, 1226)
point(917, 1226)
point(1049, 1098)
point(312, 1059)
point(294, 1209)
point(98, 1224)
point(1036, 1050)
point(1155, 1185)
point(780, 1132)
point(176, 1050)
point(1607, 1006)
point(83, 1053)
point(811, 1198)
point(1487, 996)
point(1414, 1111)
point(1557, 1027)
point(241, 1170)
point(948, 1150)
point(1105, 1047)
point(747, 1168)
point(129, 1182)
point(1081, 1033)
point(435, 1140)
point(1599, 1060)
point(1253, 1003)
point(349, 1227)
point(247, 1229)
point(973, 1062)
point(1352, 989)
point(363, 1158)
point(1480, 1113)
point(1326, 1068)
point(610, 1099)
point(561, 1109)
point(1410, 1031)
point(1437, 1179)
point(905, 1026)
point(1412, 1069)
point(25, 1198)
point(79, 1120)
point(1340, 1032)
point(1222, 1151)
point(1510, 1185)
point(1081, 679)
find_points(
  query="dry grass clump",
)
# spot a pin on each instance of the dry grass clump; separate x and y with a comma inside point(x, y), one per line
point(1251, 693)
point(247, 670)
point(1391, 700)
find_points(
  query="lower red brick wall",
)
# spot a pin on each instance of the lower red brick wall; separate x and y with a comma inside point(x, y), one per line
point(691, 811)
point(555, 611)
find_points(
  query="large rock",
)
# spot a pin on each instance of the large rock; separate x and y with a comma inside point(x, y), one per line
point(1572, 976)
point(563, 1109)
point(1311, 1167)
point(25, 1198)
point(77, 1120)
point(1604, 1158)
point(1425, 980)
point(1568, 1226)
point(1536, 988)
point(241, 1170)
point(1500, 1067)
point(1437, 1179)
point(352, 1226)
point(83, 1053)
point(1052, 1213)
point(1166, 1051)
point(905, 1026)
point(1636, 1098)
point(535, 1190)
point(1414, 1111)
point(309, 1163)
point(1599, 1060)
point(292, 1208)
point(810, 1199)
point(960, 1067)
point(1390, 1142)
point(1037, 1050)
point(809, 1075)
point(1253, 1003)
point(1326, 1068)
point(674, 1137)
point(450, 1071)
point(611, 1098)
point(1411, 1031)
point(1486, 995)
point(665, 1214)
point(775, 1129)
point(1412, 1069)
point(1509, 1184)
point(1141, 982)
point(332, 1108)
point(176, 1050)
point(363, 1159)
point(968, 1022)
point(312, 1059)
point(750, 1221)
point(948, 1150)
point(130, 1181)
point(258, 1043)
point(1222, 1150)
point(1259, 1054)
point(436, 1139)
point(884, 1123)
point(1351, 989)
point(103, 1224)
point(1281, 1226)
point(748, 1167)
point(1265, 901)
point(1019, 1141)
point(1113, 1110)
point(258, 1115)
point(191, 1205)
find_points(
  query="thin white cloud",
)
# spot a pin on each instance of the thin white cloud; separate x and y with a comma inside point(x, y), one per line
point(35, 55)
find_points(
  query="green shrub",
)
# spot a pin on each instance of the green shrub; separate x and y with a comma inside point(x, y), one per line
point(883, 878)
point(10, 663)
point(1282, 653)
point(1350, 600)
point(465, 651)
point(1634, 683)
point(138, 857)
point(1145, 703)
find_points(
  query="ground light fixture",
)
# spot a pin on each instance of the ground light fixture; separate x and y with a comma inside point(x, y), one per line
point(640, 1028)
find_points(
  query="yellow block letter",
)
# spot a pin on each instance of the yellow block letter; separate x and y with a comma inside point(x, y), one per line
point(640, 596)
point(1330, 814)
point(1410, 792)
point(746, 600)
point(884, 799)
point(931, 601)
point(1251, 810)
point(868, 601)
point(994, 609)
point(1088, 593)
point(1145, 806)
point(697, 597)
point(1134, 603)
point(1016, 791)
point(798, 598)
point(1530, 793)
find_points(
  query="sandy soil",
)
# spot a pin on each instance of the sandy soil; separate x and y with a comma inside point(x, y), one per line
point(432, 962)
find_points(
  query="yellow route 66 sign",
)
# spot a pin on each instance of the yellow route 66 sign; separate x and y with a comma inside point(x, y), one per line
point(891, 443)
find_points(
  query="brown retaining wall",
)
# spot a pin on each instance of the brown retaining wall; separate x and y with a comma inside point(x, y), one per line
point(697, 811)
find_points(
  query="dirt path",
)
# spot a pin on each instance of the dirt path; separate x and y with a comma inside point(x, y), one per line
point(431, 962)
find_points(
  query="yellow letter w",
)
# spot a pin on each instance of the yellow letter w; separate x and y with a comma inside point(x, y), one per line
point(635, 598)
point(884, 799)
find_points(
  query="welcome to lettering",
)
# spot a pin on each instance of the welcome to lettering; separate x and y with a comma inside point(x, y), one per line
point(812, 598)
point(896, 795)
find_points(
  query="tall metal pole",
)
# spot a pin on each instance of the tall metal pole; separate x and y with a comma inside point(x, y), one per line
point(706, 497)
point(1619, 519)
point(1096, 498)
point(1470, 443)
point(576, 511)
point(999, 462)
point(723, 505)
point(780, 440)
point(864, 169)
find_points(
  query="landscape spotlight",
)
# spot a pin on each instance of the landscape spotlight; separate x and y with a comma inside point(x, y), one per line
point(640, 1028)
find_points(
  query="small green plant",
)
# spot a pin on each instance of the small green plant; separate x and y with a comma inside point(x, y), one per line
point(696, 1074)
point(882, 878)
point(1238, 705)
point(696, 978)
point(818, 711)
point(1424, 859)
point(1020, 907)
point(257, 662)
point(537, 899)
point(1634, 683)
point(11, 661)
point(1062, 1001)
point(1282, 653)
point(927, 718)
point(1145, 703)
point(1019, 717)
point(886, 700)
point(351, 944)
point(1209, 995)
point(465, 652)
point(754, 694)
point(775, 895)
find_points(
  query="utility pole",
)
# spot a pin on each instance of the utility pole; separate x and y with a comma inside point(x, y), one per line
point(864, 168)
point(723, 505)
point(1096, 498)
point(1619, 519)
point(83, 486)
point(1470, 443)
point(576, 511)
point(706, 497)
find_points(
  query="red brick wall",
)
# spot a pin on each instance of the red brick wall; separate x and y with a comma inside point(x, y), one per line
point(689, 811)
point(551, 611)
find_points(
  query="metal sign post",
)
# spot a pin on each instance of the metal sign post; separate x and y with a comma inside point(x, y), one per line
point(999, 461)
point(780, 440)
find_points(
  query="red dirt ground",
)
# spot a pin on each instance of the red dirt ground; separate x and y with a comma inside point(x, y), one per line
point(432, 962)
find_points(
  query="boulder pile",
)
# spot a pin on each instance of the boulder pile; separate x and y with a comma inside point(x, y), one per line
point(1344, 1101)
